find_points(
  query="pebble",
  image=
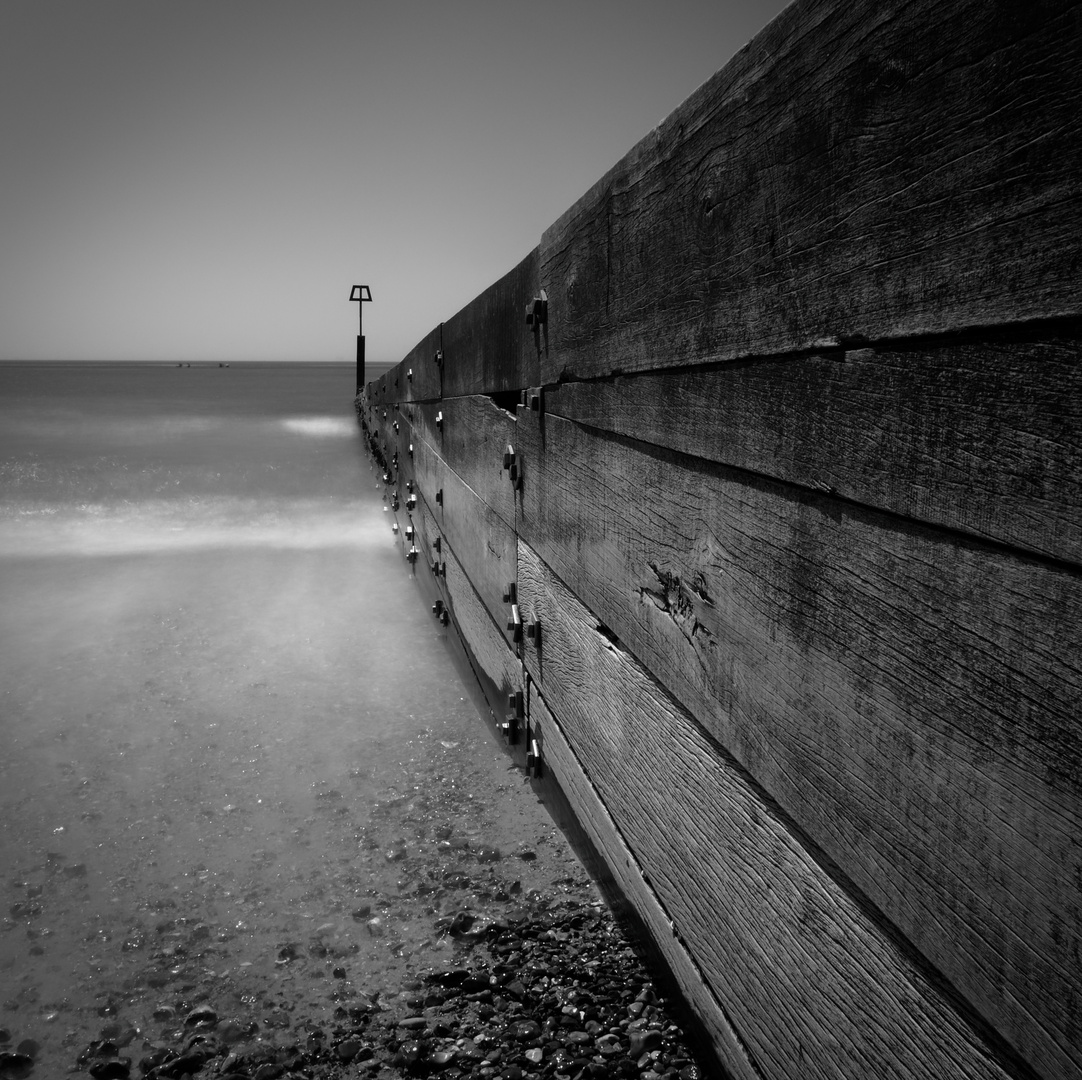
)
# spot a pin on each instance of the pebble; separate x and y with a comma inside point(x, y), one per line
point(15, 1064)
point(546, 993)
point(111, 1070)
point(348, 1049)
point(510, 984)
point(203, 1016)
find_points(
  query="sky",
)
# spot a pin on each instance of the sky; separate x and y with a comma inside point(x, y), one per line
point(206, 179)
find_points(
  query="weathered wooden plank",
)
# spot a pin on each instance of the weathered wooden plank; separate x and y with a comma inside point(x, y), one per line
point(383, 429)
point(419, 376)
point(488, 347)
point(911, 699)
point(851, 173)
point(487, 641)
point(472, 436)
point(590, 812)
point(811, 985)
point(482, 541)
point(985, 438)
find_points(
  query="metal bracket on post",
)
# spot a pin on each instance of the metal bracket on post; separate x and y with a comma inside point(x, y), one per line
point(537, 311)
point(511, 466)
point(512, 723)
point(514, 624)
point(533, 756)
point(537, 318)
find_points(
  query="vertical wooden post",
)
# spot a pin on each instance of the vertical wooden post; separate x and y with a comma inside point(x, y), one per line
point(360, 362)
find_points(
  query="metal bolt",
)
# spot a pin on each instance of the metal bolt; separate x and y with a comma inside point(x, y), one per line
point(510, 593)
point(514, 624)
point(533, 631)
point(439, 497)
point(437, 544)
point(411, 555)
point(439, 420)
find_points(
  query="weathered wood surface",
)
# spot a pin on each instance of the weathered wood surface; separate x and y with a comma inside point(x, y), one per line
point(851, 173)
point(910, 699)
point(487, 640)
point(810, 983)
point(983, 438)
point(482, 541)
point(488, 347)
point(471, 439)
point(603, 832)
point(418, 377)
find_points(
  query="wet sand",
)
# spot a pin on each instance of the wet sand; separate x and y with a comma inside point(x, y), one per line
point(284, 812)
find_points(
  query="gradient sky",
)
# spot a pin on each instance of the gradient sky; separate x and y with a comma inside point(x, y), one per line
point(205, 180)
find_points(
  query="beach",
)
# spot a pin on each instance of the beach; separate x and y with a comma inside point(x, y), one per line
point(243, 771)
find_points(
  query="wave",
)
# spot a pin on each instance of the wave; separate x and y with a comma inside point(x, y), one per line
point(321, 427)
point(34, 529)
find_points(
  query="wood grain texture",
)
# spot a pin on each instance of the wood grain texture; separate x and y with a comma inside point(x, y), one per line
point(985, 438)
point(426, 381)
point(590, 811)
point(472, 439)
point(483, 543)
point(487, 345)
point(812, 987)
point(910, 699)
point(851, 173)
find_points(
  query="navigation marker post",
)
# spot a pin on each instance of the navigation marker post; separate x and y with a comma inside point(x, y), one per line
point(360, 293)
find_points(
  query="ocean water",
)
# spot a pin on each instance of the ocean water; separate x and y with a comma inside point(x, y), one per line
point(235, 750)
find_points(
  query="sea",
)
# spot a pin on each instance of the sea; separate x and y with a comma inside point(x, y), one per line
point(235, 747)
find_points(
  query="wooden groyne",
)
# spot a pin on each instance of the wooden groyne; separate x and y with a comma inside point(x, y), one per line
point(757, 488)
